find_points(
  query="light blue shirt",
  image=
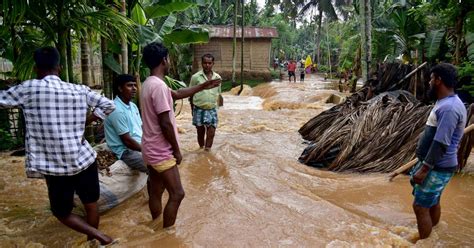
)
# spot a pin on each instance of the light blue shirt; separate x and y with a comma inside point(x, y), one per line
point(125, 119)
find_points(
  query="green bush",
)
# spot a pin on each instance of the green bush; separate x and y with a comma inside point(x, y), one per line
point(6, 140)
point(466, 69)
point(275, 74)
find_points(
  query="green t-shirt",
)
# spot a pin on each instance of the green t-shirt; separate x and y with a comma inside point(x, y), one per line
point(206, 99)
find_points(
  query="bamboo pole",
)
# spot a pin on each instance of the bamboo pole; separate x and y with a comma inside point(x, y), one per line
point(413, 162)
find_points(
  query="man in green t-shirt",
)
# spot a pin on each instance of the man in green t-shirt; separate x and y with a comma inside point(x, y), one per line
point(204, 104)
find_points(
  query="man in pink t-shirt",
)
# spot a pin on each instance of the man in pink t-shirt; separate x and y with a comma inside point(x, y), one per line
point(160, 146)
point(291, 70)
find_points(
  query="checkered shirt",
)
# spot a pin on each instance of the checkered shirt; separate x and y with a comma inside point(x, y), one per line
point(55, 115)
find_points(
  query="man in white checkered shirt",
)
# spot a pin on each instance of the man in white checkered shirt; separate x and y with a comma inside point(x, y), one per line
point(55, 115)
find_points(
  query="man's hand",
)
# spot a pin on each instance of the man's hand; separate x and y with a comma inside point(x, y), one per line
point(421, 174)
point(177, 156)
point(211, 83)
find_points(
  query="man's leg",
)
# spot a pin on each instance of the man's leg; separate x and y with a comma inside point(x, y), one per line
point(435, 214)
point(423, 219)
point(155, 192)
point(92, 216)
point(211, 131)
point(61, 194)
point(201, 131)
point(78, 224)
point(175, 190)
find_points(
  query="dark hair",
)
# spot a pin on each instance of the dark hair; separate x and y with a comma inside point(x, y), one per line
point(447, 73)
point(207, 55)
point(120, 80)
point(153, 54)
point(46, 58)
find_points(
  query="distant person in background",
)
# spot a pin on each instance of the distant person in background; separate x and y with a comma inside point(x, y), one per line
point(123, 128)
point(204, 104)
point(302, 72)
point(437, 148)
point(291, 70)
point(56, 116)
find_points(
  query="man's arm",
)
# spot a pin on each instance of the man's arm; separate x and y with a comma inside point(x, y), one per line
point(101, 104)
point(189, 91)
point(12, 97)
point(130, 143)
point(168, 132)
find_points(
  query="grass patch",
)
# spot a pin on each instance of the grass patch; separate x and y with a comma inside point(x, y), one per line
point(227, 85)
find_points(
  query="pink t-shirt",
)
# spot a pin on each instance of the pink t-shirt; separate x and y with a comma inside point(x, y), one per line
point(155, 98)
point(291, 67)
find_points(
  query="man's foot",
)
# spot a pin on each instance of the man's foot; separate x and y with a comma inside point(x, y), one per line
point(207, 149)
point(113, 242)
point(106, 240)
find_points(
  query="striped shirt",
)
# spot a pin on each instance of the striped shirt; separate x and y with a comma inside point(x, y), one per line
point(55, 115)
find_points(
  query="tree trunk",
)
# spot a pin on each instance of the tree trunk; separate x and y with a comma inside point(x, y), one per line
point(92, 60)
point(85, 62)
point(106, 72)
point(329, 50)
point(318, 37)
point(61, 44)
point(366, 41)
point(124, 41)
point(70, 64)
point(459, 34)
point(242, 50)
point(234, 42)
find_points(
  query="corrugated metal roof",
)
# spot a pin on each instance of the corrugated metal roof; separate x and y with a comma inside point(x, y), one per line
point(249, 32)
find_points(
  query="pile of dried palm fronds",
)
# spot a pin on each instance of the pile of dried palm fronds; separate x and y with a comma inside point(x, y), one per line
point(375, 130)
point(378, 135)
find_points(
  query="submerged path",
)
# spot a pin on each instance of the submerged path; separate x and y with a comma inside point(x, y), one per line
point(250, 190)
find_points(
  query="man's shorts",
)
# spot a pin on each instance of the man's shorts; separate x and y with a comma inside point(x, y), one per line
point(205, 117)
point(428, 194)
point(134, 160)
point(291, 73)
point(61, 190)
point(164, 165)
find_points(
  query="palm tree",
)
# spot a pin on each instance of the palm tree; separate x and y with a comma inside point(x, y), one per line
point(366, 37)
point(323, 7)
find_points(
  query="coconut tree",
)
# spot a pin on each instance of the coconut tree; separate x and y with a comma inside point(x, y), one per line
point(323, 7)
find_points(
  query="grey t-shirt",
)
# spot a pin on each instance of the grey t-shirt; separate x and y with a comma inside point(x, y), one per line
point(446, 125)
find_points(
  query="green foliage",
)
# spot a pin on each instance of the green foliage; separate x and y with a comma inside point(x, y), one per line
point(6, 140)
point(275, 74)
point(466, 69)
point(433, 42)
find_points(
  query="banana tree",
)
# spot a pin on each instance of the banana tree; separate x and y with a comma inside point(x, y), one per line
point(157, 22)
point(54, 21)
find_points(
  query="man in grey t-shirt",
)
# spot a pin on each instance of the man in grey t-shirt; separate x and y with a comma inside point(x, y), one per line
point(437, 148)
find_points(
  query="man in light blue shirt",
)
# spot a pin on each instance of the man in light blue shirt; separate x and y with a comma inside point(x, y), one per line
point(123, 128)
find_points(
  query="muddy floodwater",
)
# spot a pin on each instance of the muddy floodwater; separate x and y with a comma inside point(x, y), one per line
point(250, 190)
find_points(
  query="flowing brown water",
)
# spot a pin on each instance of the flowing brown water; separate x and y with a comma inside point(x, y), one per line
point(250, 191)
